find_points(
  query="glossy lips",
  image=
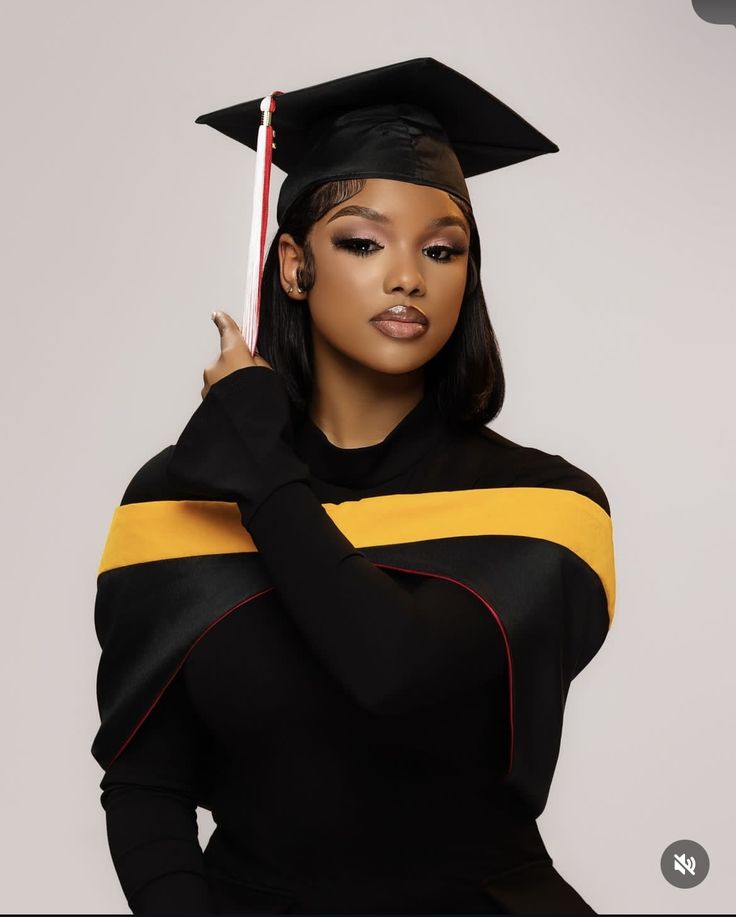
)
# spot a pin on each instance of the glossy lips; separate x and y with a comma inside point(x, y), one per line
point(401, 321)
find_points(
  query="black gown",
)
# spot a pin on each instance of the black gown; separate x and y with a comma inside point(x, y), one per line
point(356, 719)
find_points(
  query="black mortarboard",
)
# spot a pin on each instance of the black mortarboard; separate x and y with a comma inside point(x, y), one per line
point(417, 121)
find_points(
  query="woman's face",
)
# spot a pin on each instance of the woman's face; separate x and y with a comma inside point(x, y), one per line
point(393, 243)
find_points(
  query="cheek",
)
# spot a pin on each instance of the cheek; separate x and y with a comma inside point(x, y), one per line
point(449, 289)
point(457, 276)
point(344, 279)
point(346, 290)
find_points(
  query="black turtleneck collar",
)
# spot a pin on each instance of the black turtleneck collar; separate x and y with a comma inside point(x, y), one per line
point(369, 466)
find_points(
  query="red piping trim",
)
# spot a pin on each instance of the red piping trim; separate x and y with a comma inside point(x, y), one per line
point(184, 658)
point(503, 634)
point(388, 567)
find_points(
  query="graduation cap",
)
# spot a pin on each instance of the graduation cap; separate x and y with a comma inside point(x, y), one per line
point(417, 121)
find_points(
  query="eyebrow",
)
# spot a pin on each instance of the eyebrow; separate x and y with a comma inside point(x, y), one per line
point(370, 214)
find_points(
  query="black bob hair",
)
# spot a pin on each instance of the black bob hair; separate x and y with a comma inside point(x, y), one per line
point(465, 377)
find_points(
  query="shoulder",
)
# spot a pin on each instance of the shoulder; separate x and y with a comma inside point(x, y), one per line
point(509, 464)
point(151, 482)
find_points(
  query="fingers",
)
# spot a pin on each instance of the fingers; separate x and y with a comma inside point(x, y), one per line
point(229, 329)
point(234, 352)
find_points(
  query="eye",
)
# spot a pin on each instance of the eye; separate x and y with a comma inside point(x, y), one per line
point(445, 252)
point(357, 245)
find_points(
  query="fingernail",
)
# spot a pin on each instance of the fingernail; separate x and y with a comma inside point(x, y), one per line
point(214, 317)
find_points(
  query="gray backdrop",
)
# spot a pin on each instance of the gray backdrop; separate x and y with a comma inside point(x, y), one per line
point(608, 269)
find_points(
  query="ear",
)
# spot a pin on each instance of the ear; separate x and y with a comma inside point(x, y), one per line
point(291, 261)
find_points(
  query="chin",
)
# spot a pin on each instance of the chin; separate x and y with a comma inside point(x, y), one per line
point(396, 364)
point(383, 355)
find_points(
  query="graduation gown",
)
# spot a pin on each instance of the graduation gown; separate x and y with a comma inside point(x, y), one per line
point(388, 633)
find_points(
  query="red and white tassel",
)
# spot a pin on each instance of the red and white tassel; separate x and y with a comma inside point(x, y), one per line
point(259, 222)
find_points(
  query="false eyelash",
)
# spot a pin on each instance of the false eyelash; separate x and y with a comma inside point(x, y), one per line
point(344, 243)
point(452, 252)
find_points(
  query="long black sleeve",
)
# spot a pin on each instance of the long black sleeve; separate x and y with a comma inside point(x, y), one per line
point(393, 647)
point(151, 812)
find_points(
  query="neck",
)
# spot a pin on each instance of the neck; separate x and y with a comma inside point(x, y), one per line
point(354, 405)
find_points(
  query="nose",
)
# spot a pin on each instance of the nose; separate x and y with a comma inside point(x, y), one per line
point(404, 277)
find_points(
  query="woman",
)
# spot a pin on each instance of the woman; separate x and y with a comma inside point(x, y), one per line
point(363, 674)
